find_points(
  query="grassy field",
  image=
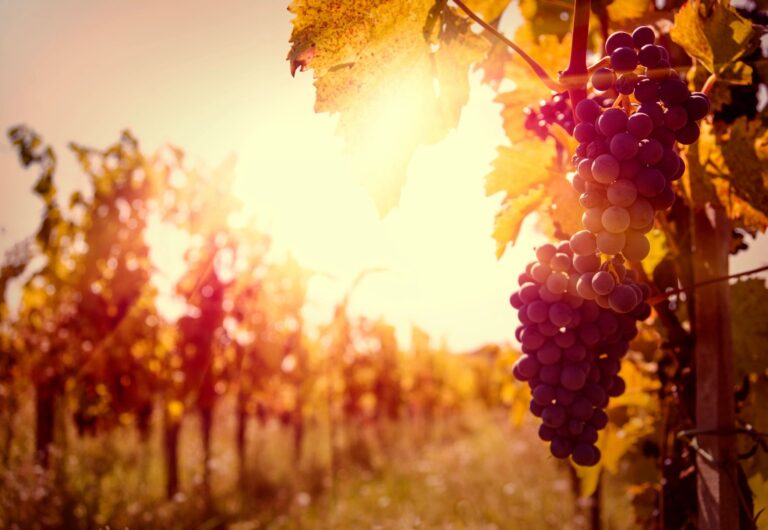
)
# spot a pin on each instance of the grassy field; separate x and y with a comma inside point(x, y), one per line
point(468, 471)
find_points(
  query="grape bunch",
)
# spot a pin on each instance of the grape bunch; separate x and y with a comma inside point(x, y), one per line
point(555, 111)
point(626, 160)
point(572, 350)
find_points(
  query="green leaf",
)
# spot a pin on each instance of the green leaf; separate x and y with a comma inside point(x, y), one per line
point(749, 298)
point(714, 34)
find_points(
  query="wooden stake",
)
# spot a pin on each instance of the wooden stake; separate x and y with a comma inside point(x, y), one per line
point(716, 484)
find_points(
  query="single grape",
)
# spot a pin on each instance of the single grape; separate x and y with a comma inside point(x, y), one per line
point(581, 409)
point(615, 219)
point(612, 121)
point(618, 387)
point(560, 314)
point(637, 246)
point(668, 164)
point(623, 146)
point(550, 374)
point(626, 83)
point(650, 151)
point(649, 56)
point(587, 263)
point(515, 300)
point(663, 200)
point(617, 40)
point(540, 272)
point(640, 125)
point(537, 311)
point(623, 299)
point(547, 434)
point(532, 339)
point(565, 339)
point(603, 282)
point(529, 292)
point(647, 91)
point(585, 454)
point(697, 106)
point(572, 378)
point(588, 110)
point(676, 117)
point(553, 416)
point(654, 111)
point(650, 182)
point(687, 134)
point(605, 168)
point(624, 59)
point(584, 132)
point(621, 193)
point(557, 282)
point(536, 409)
point(661, 71)
point(610, 243)
point(583, 243)
point(673, 91)
point(548, 296)
point(584, 286)
point(543, 394)
point(602, 79)
point(592, 219)
point(546, 252)
point(593, 199)
point(561, 447)
point(643, 36)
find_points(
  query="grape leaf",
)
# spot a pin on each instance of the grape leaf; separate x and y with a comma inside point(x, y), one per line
point(393, 88)
point(730, 165)
point(513, 212)
point(489, 10)
point(715, 34)
point(749, 298)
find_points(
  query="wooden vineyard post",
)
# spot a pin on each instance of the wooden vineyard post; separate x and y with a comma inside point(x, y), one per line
point(718, 503)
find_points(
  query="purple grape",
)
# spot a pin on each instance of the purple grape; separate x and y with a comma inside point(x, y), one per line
point(647, 91)
point(605, 169)
point(603, 282)
point(668, 165)
point(593, 199)
point(618, 387)
point(587, 263)
point(560, 262)
point(621, 193)
point(557, 282)
point(628, 168)
point(623, 146)
point(612, 121)
point(640, 125)
point(560, 314)
point(623, 299)
point(584, 286)
point(624, 59)
point(565, 339)
point(637, 246)
point(581, 409)
point(544, 394)
point(589, 334)
point(697, 106)
point(661, 71)
point(546, 252)
point(649, 56)
point(673, 91)
point(585, 454)
point(687, 134)
point(561, 447)
point(548, 296)
point(676, 117)
point(654, 111)
point(532, 339)
point(546, 433)
point(550, 374)
point(665, 136)
point(610, 243)
point(572, 378)
point(592, 219)
point(583, 243)
point(588, 110)
point(615, 219)
point(650, 182)
point(663, 200)
point(584, 132)
point(626, 83)
point(602, 79)
point(650, 152)
point(553, 416)
point(643, 36)
point(617, 40)
point(536, 409)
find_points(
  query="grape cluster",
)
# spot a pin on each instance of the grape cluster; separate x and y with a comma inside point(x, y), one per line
point(626, 160)
point(572, 352)
point(555, 111)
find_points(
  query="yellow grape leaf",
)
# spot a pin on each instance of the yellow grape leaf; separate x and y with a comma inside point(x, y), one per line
point(519, 168)
point(392, 89)
point(620, 11)
point(714, 33)
point(749, 298)
point(489, 10)
point(510, 218)
point(545, 17)
point(563, 209)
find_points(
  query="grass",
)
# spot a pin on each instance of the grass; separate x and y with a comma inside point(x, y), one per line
point(470, 470)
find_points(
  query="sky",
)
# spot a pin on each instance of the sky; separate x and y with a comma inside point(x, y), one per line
point(211, 77)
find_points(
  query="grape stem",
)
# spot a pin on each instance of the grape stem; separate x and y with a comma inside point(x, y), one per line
point(663, 296)
point(575, 76)
point(535, 66)
point(708, 84)
point(605, 61)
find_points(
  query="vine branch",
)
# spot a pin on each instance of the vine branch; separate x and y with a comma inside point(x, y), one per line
point(663, 296)
point(575, 76)
point(535, 66)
